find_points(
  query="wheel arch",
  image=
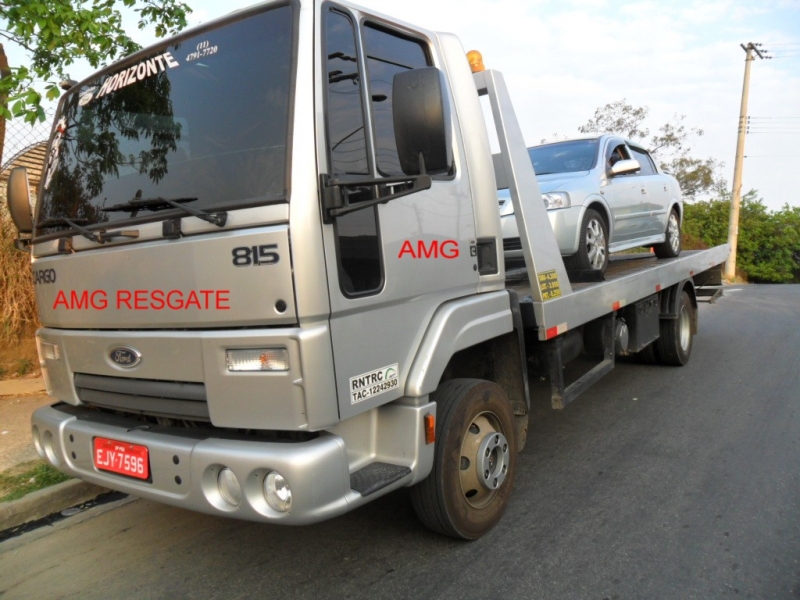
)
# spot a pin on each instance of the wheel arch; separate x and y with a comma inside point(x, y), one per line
point(480, 337)
point(669, 301)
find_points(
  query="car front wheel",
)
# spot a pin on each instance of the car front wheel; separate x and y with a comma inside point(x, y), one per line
point(592, 252)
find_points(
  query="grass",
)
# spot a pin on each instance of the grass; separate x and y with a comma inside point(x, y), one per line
point(26, 478)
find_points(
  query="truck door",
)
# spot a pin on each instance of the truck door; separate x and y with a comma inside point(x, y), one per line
point(391, 265)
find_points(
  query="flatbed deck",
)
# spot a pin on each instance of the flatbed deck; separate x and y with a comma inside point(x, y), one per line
point(628, 278)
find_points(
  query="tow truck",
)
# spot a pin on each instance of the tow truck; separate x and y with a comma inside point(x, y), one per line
point(269, 272)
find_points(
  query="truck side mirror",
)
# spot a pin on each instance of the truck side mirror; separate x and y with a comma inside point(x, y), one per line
point(19, 199)
point(623, 167)
point(422, 121)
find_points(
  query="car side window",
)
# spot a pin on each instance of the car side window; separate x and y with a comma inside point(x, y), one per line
point(648, 168)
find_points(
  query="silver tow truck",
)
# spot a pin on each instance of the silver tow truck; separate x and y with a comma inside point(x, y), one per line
point(269, 270)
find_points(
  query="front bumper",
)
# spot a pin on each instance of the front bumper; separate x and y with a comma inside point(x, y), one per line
point(184, 464)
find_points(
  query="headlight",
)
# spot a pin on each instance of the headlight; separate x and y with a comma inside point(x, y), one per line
point(555, 200)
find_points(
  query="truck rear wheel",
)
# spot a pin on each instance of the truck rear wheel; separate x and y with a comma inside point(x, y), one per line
point(474, 465)
point(675, 344)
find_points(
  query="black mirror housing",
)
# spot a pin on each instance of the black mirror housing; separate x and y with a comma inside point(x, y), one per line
point(19, 199)
point(422, 121)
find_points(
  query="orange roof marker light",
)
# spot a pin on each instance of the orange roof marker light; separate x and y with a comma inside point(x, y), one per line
point(475, 61)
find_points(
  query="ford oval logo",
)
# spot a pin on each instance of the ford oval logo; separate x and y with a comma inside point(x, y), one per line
point(125, 357)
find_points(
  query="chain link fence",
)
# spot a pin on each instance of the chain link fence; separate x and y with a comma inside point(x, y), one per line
point(21, 136)
point(24, 146)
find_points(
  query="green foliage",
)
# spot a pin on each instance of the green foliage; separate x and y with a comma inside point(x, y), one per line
point(670, 145)
point(27, 478)
point(58, 32)
point(768, 248)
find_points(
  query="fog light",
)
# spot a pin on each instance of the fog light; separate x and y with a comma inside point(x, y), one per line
point(229, 487)
point(257, 359)
point(37, 441)
point(49, 447)
point(48, 351)
point(277, 492)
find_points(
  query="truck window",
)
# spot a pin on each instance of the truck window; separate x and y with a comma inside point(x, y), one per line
point(346, 135)
point(201, 118)
point(388, 53)
point(357, 244)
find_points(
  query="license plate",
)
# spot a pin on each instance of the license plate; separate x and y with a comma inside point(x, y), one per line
point(122, 458)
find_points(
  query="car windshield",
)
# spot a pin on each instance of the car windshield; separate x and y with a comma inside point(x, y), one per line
point(205, 118)
point(564, 157)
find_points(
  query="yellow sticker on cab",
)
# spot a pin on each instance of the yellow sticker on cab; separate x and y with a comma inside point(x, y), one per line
point(548, 283)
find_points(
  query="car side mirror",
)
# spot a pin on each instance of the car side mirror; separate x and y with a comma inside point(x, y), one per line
point(19, 199)
point(623, 167)
point(422, 122)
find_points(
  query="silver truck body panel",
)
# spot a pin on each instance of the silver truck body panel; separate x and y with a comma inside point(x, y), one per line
point(184, 464)
point(190, 282)
point(285, 400)
point(457, 325)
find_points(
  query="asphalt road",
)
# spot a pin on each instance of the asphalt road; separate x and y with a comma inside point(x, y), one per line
point(661, 482)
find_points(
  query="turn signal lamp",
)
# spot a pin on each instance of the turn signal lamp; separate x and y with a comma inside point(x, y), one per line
point(475, 61)
point(257, 359)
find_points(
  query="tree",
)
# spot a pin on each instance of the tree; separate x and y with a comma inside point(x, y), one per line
point(769, 242)
point(670, 145)
point(56, 33)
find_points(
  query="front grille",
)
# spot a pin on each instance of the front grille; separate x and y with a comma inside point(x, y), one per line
point(175, 399)
point(512, 244)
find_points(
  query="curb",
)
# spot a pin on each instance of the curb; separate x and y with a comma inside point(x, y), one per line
point(45, 502)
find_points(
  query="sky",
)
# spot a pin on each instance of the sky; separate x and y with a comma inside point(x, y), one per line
point(563, 59)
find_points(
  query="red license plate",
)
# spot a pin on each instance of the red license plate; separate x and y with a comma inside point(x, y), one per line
point(122, 458)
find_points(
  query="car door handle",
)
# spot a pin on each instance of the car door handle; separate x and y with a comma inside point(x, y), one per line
point(644, 191)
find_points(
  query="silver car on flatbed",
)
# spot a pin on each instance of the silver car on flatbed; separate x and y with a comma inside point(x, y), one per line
point(603, 194)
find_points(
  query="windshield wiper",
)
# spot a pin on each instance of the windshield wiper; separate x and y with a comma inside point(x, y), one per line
point(101, 236)
point(138, 203)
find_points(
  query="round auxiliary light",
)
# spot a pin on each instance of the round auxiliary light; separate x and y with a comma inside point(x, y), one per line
point(37, 441)
point(49, 447)
point(277, 492)
point(229, 487)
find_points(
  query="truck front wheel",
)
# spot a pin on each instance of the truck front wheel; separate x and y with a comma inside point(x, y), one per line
point(474, 466)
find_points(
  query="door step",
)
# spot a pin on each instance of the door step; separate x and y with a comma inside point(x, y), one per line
point(376, 476)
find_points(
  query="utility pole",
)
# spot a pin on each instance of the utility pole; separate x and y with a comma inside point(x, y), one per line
point(736, 196)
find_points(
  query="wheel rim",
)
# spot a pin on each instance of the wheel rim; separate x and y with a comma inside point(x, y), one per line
point(484, 460)
point(595, 244)
point(674, 233)
point(685, 328)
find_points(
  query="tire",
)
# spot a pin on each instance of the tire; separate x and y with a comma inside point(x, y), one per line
point(671, 247)
point(475, 437)
point(592, 252)
point(649, 354)
point(675, 344)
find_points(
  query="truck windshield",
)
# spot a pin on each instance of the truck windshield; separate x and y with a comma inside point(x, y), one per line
point(564, 157)
point(204, 118)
